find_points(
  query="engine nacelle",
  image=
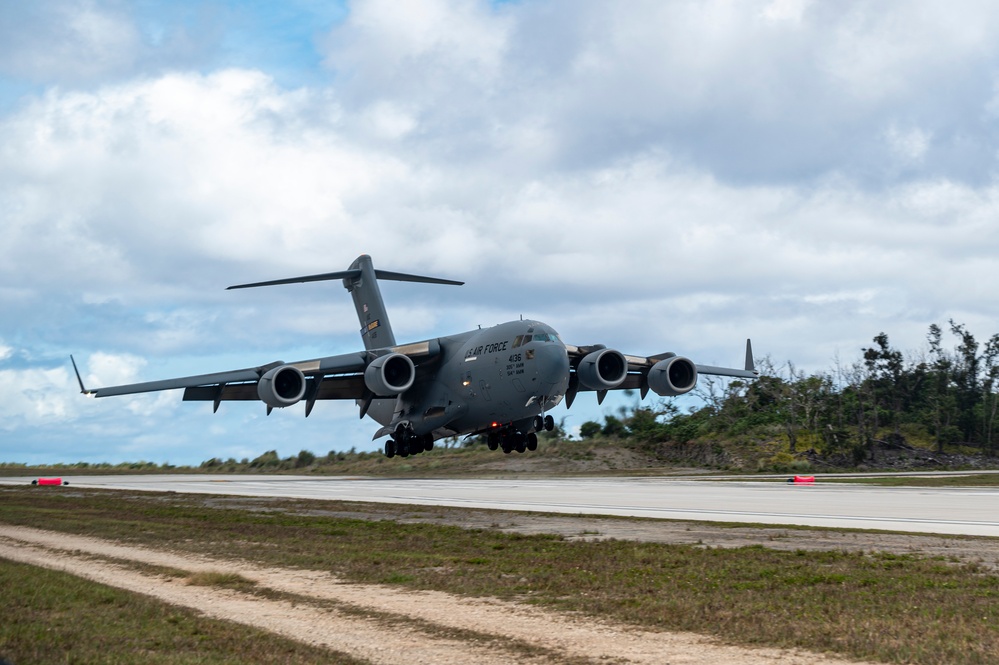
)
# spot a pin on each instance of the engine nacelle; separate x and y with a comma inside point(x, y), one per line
point(282, 386)
point(602, 370)
point(389, 375)
point(673, 376)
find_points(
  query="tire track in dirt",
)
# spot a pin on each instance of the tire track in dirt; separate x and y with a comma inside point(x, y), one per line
point(503, 626)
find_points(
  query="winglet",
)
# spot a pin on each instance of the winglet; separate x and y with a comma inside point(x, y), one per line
point(89, 393)
point(750, 363)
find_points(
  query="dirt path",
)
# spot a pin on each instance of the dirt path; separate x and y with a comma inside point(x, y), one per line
point(377, 623)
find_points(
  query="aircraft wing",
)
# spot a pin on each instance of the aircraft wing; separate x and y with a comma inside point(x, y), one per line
point(639, 367)
point(332, 377)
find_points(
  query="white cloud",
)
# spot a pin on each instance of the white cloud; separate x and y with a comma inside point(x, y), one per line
point(653, 176)
point(66, 40)
point(107, 369)
point(35, 398)
point(909, 145)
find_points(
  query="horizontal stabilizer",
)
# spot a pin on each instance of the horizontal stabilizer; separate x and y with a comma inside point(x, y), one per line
point(403, 277)
point(350, 274)
point(341, 274)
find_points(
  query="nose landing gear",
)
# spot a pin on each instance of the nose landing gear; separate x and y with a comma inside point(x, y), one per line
point(547, 423)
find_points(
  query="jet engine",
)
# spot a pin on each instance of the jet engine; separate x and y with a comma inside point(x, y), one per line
point(602, 370)
point(391, 374)
point(672, 376)
point(281, 386)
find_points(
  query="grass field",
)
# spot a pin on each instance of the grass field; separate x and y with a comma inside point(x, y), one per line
point(53, 617)
point(872, 605)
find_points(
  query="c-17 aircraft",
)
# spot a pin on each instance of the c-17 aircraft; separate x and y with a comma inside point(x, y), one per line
point(499, 381)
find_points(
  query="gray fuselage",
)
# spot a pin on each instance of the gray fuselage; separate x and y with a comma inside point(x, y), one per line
point(494, 377)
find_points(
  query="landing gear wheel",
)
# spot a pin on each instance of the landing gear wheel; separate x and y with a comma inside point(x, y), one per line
point(390, 449)
point(492, 441)
point(539, 423)
point(520, 442)
point(532, 441)
point(428, 442)
point(549, 423)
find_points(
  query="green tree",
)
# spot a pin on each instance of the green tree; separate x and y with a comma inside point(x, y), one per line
point(305, 458)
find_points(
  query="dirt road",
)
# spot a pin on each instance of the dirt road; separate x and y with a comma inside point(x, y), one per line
point(377, 623)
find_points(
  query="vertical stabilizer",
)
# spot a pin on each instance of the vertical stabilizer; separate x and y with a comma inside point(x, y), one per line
point(376, 331)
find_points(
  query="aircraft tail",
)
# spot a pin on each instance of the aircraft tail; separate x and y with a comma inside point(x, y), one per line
point(361, 280)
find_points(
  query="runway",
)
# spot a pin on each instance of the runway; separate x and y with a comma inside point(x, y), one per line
point(956, 511)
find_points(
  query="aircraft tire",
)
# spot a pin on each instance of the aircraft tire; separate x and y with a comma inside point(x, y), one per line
point(532, 441)
point(492, 441)
point(428, 442)
point(539, 423)
point(390, 449)
point(549, 423)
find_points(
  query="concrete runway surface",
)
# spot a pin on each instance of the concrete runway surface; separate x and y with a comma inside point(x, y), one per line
point(959, 511)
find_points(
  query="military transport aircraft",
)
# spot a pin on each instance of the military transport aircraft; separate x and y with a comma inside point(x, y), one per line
point(497, 381)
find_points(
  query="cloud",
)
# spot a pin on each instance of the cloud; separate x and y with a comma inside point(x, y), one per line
point(67, 40)
point(651, 176)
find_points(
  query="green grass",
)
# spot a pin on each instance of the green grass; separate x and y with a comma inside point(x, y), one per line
point(877, 606)
point(216, 578)
point(970, 480)
point(54, 617)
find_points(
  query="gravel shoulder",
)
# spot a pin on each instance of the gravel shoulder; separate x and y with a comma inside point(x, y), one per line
point(383, 624)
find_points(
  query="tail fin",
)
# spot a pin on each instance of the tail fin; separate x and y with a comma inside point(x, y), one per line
point(361, 280)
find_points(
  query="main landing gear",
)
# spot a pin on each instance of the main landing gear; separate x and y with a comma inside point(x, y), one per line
point(510, 439)
point(405, 442)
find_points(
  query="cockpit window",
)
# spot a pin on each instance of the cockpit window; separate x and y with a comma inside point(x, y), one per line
point(521, 340)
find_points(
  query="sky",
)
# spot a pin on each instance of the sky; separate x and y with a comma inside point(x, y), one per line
point(660, 175)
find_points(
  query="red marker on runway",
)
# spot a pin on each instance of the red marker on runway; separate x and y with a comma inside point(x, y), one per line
point(48, 481)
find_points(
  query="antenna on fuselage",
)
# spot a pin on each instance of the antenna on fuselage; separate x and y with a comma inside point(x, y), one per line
point(361, 280)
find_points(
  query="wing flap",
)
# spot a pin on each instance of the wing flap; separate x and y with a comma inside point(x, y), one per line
point(727, 371)
point(335, 387)
point(241, 391)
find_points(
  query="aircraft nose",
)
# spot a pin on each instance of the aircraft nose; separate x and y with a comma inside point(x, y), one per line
point(553, 367)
